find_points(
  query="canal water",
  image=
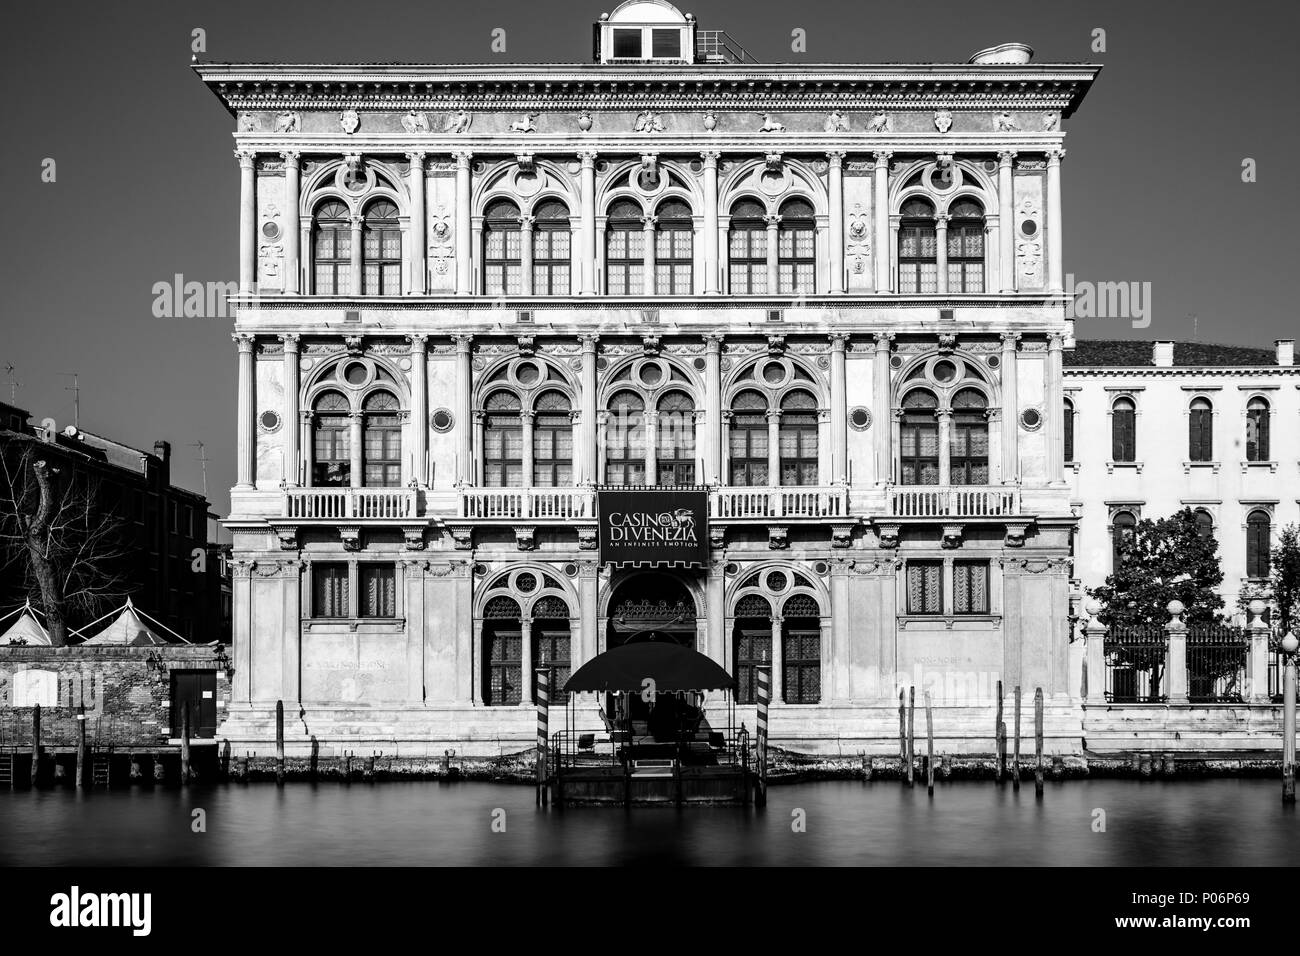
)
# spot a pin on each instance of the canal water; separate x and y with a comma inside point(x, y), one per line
point(1147, 823)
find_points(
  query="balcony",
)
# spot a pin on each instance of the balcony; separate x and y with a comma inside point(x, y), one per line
point(953, 501)
point(359, 505)
point(808, 502)
point(535, 504)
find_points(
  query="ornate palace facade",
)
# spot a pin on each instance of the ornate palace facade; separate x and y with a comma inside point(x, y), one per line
point(829, 296)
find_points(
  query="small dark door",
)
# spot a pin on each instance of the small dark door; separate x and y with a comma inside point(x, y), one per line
point(197, 692)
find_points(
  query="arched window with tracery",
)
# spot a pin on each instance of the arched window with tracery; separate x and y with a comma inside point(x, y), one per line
point(748, 440)
point(625, 440)
point(1123, 530)
point(919, 433)
point(625, 249)
point(503, 658)
point(1258, 541)
point(796, 247)
point(381, 249)
point(747, 248)
point(675, 439)
point(503, 441)
point(968, 443)
point(331, 441)
point(753, 644)
point(332, 248)
point(502, 249)
point(551, 248)
point(965, 246)
point(798, 439)
point(552, 441)
point(918, 245)
point(801, 650)
point(1257, 415)
point(674, 248)
point(381, 429)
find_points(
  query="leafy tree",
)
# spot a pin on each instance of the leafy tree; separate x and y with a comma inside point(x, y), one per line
point(1284, 576)
point(1163, 560)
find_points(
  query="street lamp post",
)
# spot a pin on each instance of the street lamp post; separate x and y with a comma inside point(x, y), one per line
point(1290, 644)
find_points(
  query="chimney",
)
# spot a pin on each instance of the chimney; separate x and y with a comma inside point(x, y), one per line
point(1285, 352)
point(163, 450)
point(1162, 354)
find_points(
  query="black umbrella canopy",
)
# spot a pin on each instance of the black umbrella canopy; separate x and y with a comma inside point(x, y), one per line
point(671, 667)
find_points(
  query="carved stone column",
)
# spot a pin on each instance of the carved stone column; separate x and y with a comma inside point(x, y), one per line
point(836, 221)
point(464, 251)
point(1006, 223)
point(526, 662)
point(292, 469)
point(1010, 410)
point(306, 420)
point(773, 254)
point(419, 408)
point(464, 420)
point(245, 436)
point(778, 659)
point(247, 219)
point(651, 418)
point(713, 444)
point(881, 412)
point(292, 229)
point(648, 239)
point(1054, 414)
point(880, 215)
point(945, 445)
point(710, 221)
point(587, 233)
point(587, 449)
point(418, 284)
point(526, 224)
point(1054, 264)
point(839, 411)
point(354, 283)
point(773, 447)
point(941, 253)
point(355, 461)
point(527, 418)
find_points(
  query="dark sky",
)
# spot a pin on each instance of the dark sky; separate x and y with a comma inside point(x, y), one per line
point(147, 186)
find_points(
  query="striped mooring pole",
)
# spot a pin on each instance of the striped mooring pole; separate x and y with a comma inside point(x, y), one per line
point(763, 675)
point(543, 719)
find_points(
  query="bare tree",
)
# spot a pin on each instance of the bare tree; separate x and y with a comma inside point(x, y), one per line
point(57, 538)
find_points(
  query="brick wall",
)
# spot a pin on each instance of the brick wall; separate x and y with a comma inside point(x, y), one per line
point(127, 701)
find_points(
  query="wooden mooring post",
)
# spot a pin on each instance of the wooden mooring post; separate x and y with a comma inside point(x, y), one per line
point(902, 728)
point(929, 747)
point(1000, 740)
point(1038, 742)
point(185, 745)
point(315, 757)
point(911, 736)
point(225, 759)
point(36, 744)
point(763, 677)
point(159, 768)
point(279, 743)
point(81, 747)
point(542, 677)
point(1015, 759)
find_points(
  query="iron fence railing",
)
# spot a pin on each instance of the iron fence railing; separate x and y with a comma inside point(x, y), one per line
point(1135, 665)
point(1217, 657)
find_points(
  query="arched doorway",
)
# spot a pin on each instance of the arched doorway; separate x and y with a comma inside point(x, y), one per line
point(651, 607)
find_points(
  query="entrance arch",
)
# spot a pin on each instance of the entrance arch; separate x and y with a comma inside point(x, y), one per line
point(651, 606)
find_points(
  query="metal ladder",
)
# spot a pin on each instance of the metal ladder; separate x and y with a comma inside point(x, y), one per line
point(7, 768)
point(100, 767)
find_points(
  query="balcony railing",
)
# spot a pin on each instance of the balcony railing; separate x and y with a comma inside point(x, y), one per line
point(357, 504)
point(953, 501)
point(553, 504)
point(794, 502)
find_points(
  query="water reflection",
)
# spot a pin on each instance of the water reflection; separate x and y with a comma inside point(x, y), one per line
point(1218, 822)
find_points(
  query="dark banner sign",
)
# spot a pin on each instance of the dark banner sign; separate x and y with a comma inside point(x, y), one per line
point(654, 526)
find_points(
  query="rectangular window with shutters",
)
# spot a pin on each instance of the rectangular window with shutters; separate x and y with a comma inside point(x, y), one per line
point(504, 666)
point(970, 587)
point(329, 589)
point(925, 587)
point(801, 665)
point(378, 590)
point(753, 650)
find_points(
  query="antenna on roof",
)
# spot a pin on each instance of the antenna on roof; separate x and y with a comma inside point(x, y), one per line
point(13, 383)
point(202, 459)
point(75, 389)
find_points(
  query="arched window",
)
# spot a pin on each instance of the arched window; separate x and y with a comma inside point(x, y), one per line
point(801, 651)
point(674, 258)
point(551, 259)
point(1123, 430)
point(747, 257)
point(968, 443)
point(552, 441)
point(1258, 534)
point(503, 441)
point(675, 439)
point(381, 250)
point(331, 441)
point(966, 246)
point(1204, 523)
point(1200, 431)
point(502, 249)
point(625, 440)
point(332, 248)
point(919, 432)
point(381, 430)
point(1123, 529)
point(798, 439)
point(918, 261)
point(753, 645)
point(1257, 430)
point(1068, 419)
point(625, 249)
point(796, 247)
point(503, 662)
point(747, 436)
